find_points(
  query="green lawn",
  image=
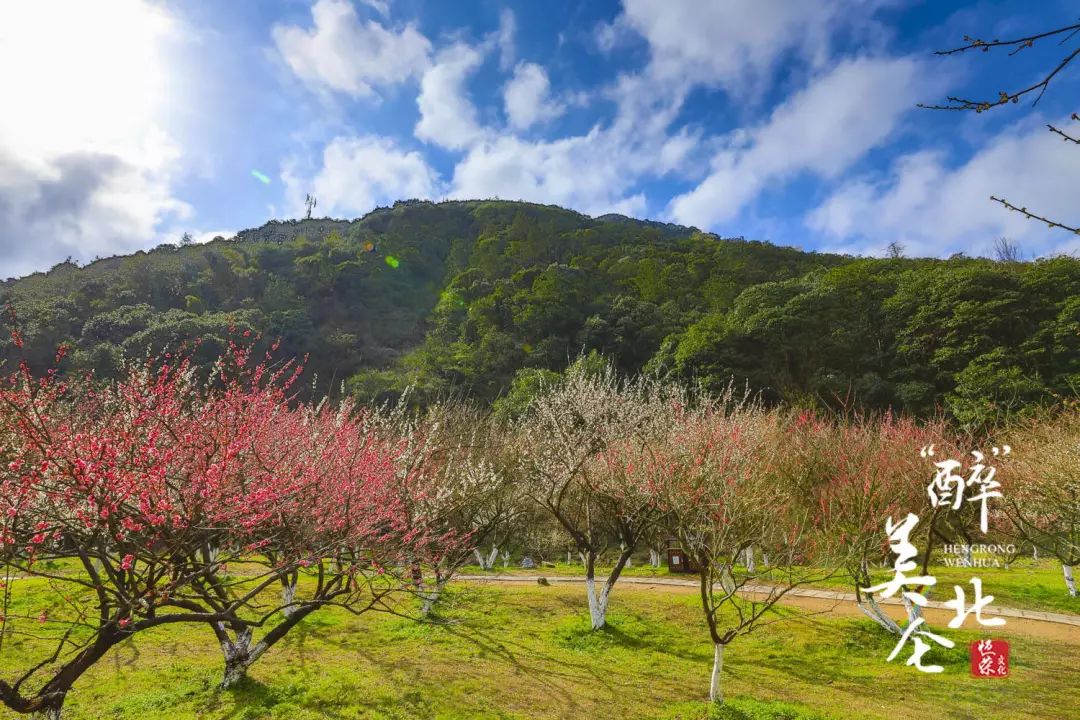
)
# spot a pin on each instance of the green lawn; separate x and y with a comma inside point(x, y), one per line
point(1026, 585)
point(526, 652)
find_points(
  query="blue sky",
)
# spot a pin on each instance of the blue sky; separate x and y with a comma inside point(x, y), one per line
point(782, 120)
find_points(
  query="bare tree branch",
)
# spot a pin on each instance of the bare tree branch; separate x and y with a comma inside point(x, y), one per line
point(1004, 97)
point(1028, 214)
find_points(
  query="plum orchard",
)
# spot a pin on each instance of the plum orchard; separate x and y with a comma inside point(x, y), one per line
point(452, 478)
point(573, 439)
point(857, 474)
point(160, 499)
point(168, 497)
point(1042, 488)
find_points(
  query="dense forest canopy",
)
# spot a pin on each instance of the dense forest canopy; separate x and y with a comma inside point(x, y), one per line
point(485, 297)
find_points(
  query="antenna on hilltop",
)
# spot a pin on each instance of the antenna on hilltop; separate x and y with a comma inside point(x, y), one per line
point(311, 202)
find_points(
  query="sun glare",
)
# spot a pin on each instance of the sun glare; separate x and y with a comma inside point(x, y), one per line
point(89, 75)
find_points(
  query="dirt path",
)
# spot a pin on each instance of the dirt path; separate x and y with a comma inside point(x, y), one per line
point(1050, 626)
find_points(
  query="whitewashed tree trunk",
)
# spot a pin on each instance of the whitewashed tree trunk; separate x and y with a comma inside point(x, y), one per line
point(506, 558)
point(969, 556)
point(582, 556)
point(1069, 581)
point(568, 556)
point(872, 610)
point(51, 713)
point(598, 602)
point(492, 557)
point(654, 557)
point(716, 692)
point(622, 548)
point(288, 594)
point(239, 656)
point(485, 563)
point(914, 612)
point(1034, 553)
point(431, 597)
point(749, 555)
point(727, 580)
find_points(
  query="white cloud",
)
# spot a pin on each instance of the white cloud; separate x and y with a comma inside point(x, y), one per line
point(447, 116)
point(734, 44)
point(342, 53)
point(380, 6)
point(608, 35)
point(676, 151)
point(504, 38)
point(204, 236)
point(360, 173)
point(935, 209)
point(527, 97)
point(597, 172)
point(594, 173)
point(822, 129)
point(86, 167)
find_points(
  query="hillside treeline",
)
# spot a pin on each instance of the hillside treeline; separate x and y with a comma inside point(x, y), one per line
point(483, 297)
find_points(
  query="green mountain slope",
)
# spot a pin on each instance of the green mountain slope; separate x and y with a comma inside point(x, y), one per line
point(464, 295)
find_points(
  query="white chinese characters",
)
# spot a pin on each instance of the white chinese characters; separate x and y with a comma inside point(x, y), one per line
point(946, 489)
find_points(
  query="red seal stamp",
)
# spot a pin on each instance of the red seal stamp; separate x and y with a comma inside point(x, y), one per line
point(990, 658)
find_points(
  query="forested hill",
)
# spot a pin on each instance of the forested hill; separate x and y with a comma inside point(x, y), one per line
point(481, 296)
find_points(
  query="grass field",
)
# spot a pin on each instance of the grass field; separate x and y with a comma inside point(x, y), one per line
point(522, 651)
point(1026, 584)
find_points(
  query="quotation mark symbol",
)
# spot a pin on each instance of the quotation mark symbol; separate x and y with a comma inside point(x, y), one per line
point(927, 451)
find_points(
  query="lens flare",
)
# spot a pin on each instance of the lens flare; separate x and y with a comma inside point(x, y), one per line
point(260, 177)
point(392, 261)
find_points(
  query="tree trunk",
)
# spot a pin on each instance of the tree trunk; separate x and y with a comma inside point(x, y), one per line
point(50, 713)
point(868, 604)
point(654, 557)
point(240, 653)
point(486, 563)
point(432, 597)
point(239, 656)
point(727, 579)
point(969, 556)
point(1034, 552)
point(914, 612)
point(1069, 582)
point(716, 692)
point(288, 594)
point(235, 671)
point(750, 565)
point(597, 603)
point(48, 702)
point(872, 610)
